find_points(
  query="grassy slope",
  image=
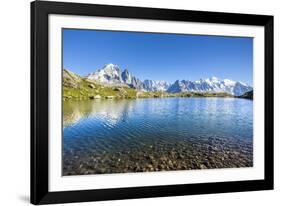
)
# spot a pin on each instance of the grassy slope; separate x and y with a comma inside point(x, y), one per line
point(78, 88)
point(84, 90)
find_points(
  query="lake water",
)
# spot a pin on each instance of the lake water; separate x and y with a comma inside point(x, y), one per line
point(156, 134)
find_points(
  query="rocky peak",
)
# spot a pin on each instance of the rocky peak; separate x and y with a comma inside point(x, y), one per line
point(126, 77)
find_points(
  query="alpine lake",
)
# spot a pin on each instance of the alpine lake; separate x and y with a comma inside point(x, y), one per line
point(105, 136)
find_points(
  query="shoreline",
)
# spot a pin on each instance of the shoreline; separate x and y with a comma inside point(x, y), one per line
point(135, 98)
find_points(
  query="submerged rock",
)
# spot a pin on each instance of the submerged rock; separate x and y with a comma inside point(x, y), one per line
point(191, 153)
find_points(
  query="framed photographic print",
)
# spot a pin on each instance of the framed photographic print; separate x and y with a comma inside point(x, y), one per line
point(131, 102)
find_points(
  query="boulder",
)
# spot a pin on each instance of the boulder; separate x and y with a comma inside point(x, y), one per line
point(109, 97)
point(97, 97)
point(91, 86)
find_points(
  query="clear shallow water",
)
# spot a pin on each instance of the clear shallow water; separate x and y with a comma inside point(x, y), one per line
point(110, 136)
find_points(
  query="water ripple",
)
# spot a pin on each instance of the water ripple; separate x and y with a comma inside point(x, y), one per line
point(100, 131)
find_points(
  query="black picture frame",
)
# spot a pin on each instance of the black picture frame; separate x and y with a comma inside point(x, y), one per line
point(40, 108)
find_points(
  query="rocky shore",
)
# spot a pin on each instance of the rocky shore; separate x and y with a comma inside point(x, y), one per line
point(191, 153)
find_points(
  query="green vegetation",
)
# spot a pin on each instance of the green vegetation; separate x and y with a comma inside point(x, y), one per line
point(182, 94)
point(206, 94)
point(78, 88)
point(90, 90)
point(247, 95)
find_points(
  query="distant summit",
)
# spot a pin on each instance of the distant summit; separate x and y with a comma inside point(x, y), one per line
point(210, 85)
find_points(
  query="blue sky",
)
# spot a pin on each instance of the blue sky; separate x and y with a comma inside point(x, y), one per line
point(159, 56)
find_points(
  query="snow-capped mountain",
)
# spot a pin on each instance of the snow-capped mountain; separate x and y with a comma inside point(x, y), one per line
point(110, 74)
point(213, 84)
point(113, 75)
point(154, 86)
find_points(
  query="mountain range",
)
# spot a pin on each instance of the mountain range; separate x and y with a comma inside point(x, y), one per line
point(113, 75)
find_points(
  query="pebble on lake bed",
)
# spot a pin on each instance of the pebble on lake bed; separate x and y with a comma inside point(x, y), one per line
point(184, 156)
